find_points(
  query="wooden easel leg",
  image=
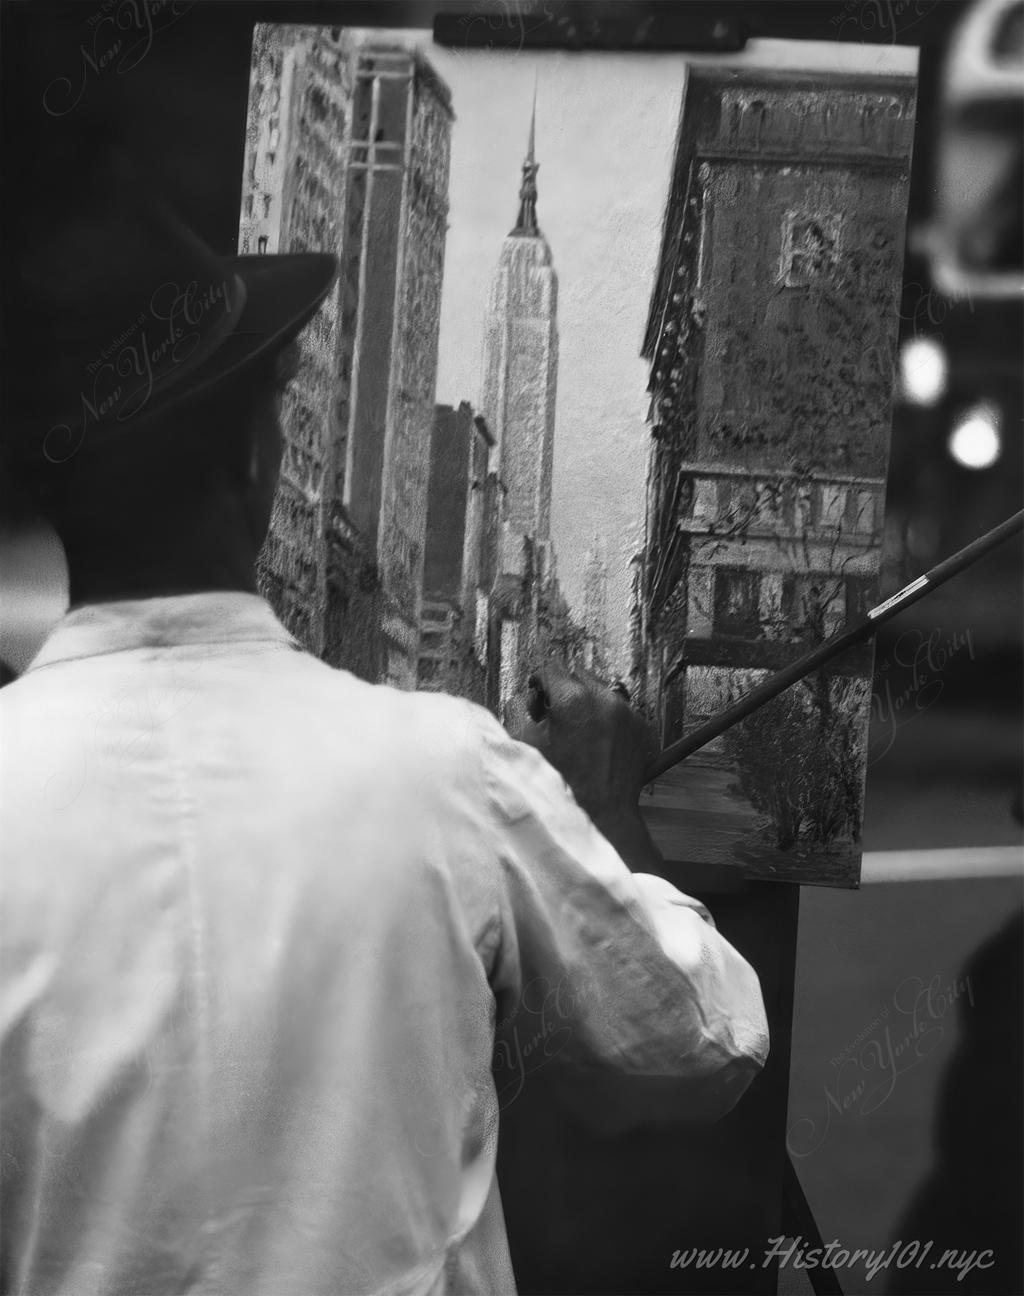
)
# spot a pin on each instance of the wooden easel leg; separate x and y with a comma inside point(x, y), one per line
point(798, 1221)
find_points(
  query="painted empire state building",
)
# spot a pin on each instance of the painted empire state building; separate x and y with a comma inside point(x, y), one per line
point(520, 365)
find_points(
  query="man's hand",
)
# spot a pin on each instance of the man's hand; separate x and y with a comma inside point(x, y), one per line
point(599, 745)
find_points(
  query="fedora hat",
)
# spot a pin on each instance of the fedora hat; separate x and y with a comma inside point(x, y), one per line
point(120, 310)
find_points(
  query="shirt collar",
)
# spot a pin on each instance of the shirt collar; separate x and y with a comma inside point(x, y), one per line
point(222, 617)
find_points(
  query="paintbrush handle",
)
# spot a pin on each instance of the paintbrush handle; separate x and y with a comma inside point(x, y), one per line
point(833, 646)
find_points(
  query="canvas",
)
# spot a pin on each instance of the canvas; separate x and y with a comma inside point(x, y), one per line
point(607, 378)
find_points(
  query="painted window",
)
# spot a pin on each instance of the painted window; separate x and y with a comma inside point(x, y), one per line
point(860, 511)
point(737, 596)
point(810, 247)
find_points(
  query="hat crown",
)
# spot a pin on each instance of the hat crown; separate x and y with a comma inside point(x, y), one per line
point(119, 303)
point(115, 309)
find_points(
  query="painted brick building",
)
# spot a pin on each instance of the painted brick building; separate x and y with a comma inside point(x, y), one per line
point(348, 151)
point(393, 263)
point(293, 199)
point(771, 339)
point(596, 654)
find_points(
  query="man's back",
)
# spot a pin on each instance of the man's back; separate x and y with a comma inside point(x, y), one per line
point(259, 919)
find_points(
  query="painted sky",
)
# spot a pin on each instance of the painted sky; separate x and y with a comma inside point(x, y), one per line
point(606, 129)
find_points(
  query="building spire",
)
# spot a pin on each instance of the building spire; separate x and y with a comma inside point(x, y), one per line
point(526, 221)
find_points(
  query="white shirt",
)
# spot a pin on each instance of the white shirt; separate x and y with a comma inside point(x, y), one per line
point(260, 920)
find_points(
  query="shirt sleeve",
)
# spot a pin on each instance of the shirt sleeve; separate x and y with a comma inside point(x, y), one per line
point(607, 969)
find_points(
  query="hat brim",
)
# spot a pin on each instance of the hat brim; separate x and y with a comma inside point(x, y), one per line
point(283, 293)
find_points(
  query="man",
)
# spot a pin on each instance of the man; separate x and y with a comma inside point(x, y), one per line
point(262, 920)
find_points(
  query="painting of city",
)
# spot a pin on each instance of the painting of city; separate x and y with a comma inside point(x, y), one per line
point(607, 377)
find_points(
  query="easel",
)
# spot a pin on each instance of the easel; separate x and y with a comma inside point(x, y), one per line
point(749, 1192)
point(589, 1212)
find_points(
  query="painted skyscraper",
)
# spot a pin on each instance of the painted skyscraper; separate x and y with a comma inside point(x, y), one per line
point(392, 263)
point(298, 134)
point(347, 151)
point(596, 654)
point(517, 400)
point(520, 364)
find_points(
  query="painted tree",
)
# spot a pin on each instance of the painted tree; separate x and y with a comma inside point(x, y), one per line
point(799, 758)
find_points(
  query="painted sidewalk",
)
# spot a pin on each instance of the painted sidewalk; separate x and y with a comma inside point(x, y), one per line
point(694, 815)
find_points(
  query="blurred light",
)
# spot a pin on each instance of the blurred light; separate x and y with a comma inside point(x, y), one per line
point(923, 370)
point(977, 246)
point(975, 441)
